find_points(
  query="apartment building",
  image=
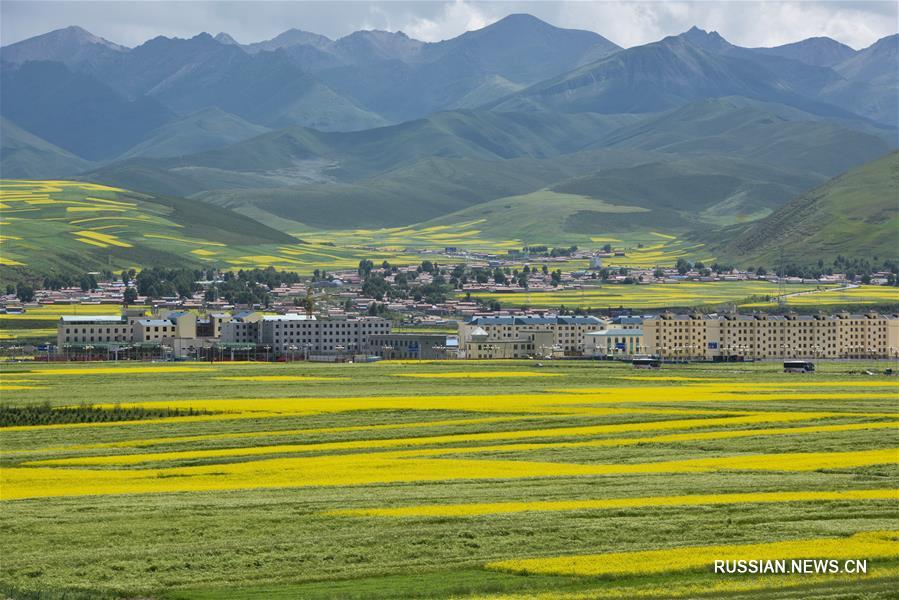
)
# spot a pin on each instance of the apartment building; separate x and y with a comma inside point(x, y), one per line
point(725, 337)
point(242, 328)
point(295, 332)
point(421, 346)
point(615, 342)
point(180, 324)
point(102, 329)
point(567, 332)
point(529, 343)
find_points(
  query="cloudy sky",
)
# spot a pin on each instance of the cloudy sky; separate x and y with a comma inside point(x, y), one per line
point(743, 22)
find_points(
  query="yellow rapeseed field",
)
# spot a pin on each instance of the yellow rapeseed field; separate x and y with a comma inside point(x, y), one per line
point(575, 432)
point(507, 455)
point(281, 378)
point(480, 375)
point(387, 467)
point(874, 544)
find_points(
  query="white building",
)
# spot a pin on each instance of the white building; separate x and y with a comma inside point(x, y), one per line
point(614, 342)
point(106, 329)
point(299, 333)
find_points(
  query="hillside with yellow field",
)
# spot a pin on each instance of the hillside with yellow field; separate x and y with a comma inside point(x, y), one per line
point(58, 226)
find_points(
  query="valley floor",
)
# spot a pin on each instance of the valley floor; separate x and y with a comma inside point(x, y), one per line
point(572, 479)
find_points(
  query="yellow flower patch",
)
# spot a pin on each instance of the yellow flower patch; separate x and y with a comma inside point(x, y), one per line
point(282, 378)
point(115, 370)
point(182, 240)
point(479, 375)
point(356, 469)
point(103, 238)
point(874, 544)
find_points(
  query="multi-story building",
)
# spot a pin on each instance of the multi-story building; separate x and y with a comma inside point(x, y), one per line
point(626, 322)
point(567, 332)
point(615, 342)
point(727, 337)
point(153, 331)
point(528, 344)
point(421, 346)
point(301, 333)
point(243, 328)
point(104, 329)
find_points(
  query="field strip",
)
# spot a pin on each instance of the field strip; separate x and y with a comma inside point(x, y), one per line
point(523, 403)
point(359, 469)
point(9, 388)
point(129, 459)
point(117, 370)
point(730, 587)
point(492, 508)
point(531, 403)
point(659, 439)
point(281, 378)
point(479, 375)
point(663, 379)
point(145, 442)
point(172, 238)
point(675, 394)
point(141, 443)
point(874, 544)
point(706, 383)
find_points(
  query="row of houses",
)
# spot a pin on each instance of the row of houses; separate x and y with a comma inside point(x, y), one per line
point(668, 335)
point(760, 336)
point(685, 336)
point(184, 331)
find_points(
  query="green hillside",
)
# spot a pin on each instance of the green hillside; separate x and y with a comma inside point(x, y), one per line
point(23, 154)
point(855, 214)
point(716, 161)
point(299, 156)
point(68, 226)
point(763, 132)
point(545, 216)
point(203, 130)
point(718, 190)
point(427, 189)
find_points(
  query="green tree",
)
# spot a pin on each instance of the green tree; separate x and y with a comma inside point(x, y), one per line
point(556, 277)
point(25, 293)
point(130, 296)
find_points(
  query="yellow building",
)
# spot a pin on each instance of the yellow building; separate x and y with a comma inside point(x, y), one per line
point(480, 344)
point(566, 334)
point(718, 337)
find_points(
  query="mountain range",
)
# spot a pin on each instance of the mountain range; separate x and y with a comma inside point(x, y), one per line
point(379, 129)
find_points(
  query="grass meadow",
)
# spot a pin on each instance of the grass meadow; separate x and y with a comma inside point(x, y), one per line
point(418, 479)
point(744, 294)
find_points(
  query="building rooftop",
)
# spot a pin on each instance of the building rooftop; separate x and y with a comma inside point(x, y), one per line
point(289, 317)
point(548, 320)
point(154, 322)
point(615, 333)
point(627, 320)
point(92, 319)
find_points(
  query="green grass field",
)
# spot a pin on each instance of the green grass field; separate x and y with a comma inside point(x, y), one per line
point(650, 296)
point(447, 480)
point(48, 226)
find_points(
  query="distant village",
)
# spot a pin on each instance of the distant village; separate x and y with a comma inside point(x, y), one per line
point(431, 311)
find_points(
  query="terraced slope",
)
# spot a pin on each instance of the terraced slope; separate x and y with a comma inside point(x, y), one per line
point(48, 226)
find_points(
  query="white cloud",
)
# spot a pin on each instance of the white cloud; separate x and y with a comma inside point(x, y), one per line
point(626, 22)
point(456, 18)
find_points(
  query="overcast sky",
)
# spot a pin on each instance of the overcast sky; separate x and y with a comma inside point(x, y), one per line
point(746, 23)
